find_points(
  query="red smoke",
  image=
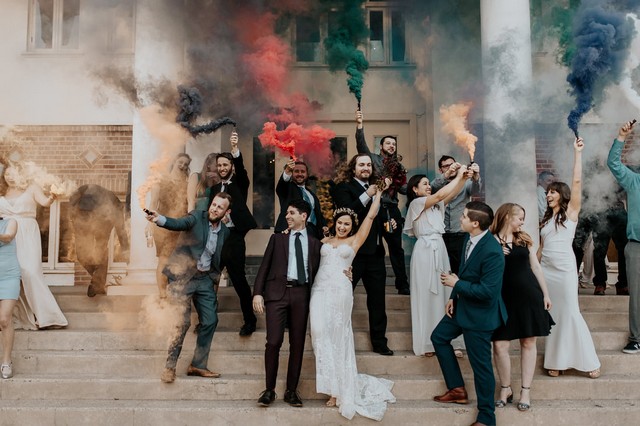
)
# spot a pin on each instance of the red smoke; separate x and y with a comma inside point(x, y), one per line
point(312, 145)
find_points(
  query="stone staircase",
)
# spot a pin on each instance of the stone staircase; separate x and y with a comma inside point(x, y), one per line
point(104, 369)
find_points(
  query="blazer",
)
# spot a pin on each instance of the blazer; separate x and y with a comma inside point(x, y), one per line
point(477, 294)
point(271, 280)
point(191, 244)
point(347, 194)
point(243, 220)
point(289, 191)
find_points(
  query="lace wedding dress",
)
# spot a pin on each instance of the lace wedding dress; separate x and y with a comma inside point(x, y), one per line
point(332, 339)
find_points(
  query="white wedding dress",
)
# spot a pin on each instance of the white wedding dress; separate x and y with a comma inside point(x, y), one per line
point(40, 308)
point(570, 344)
point(332, 339)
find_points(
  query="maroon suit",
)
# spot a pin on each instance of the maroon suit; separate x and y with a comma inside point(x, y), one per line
point(282, 303)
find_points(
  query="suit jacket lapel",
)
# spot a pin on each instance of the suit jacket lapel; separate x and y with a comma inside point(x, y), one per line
point(475, 251)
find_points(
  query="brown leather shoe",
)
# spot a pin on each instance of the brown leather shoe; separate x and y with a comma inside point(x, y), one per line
point(477, 424)
point(202, 372)
point(457, 395)
point(599, 290)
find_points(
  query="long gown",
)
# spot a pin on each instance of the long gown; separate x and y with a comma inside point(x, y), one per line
point(428, 259)
point(570, 344)
point(523, 297)
point(40, 308)
point(332, 338)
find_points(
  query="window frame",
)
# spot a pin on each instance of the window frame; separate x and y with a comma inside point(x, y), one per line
point(56, 31)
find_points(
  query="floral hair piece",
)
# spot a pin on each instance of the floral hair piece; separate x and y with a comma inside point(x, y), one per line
point(345, 210)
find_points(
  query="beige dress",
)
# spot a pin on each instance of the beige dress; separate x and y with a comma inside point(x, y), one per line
point(37, 308)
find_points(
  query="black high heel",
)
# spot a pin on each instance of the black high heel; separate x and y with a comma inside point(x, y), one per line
point(523, 406)
point(500, 403)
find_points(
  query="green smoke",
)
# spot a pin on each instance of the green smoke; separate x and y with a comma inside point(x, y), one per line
point(347, 30)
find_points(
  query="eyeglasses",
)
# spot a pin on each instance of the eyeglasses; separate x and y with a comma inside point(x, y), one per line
point(446, 166)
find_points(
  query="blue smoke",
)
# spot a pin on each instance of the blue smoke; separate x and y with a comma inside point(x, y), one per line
point(602, 38)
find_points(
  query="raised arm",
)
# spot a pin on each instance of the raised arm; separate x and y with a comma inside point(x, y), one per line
point(576, 182)
point(40, 198)
point(361, 143)
point(622, 173)
point(453, 188)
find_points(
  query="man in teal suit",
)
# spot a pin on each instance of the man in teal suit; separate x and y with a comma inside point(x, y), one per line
point(193, 269)
point(475, 309)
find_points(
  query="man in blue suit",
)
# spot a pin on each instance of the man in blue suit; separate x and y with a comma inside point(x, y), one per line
point(192, 270)
point(475, 309)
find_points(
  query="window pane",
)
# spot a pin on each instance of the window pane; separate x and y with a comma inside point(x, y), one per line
point(263, 189)
point(376, 38)
point(43, 23)
point(307, 39)
point(122, 37)
point(70, 24)
point(397, 37)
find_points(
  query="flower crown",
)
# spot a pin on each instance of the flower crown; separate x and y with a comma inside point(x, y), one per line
point(346, 210)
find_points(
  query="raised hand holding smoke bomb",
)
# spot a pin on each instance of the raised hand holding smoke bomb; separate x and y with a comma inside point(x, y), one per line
point(625, 130)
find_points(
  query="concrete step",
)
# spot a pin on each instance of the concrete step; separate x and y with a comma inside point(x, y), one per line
point(156, 339)
point(146, 363)
point(195, 413)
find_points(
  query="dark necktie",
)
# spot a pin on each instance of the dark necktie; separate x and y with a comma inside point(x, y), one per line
point(366, 186)
point(302, 277)
point(305, 196)
point(467, 250)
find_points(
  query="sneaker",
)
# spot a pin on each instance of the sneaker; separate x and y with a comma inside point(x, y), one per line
point(632, 348)
point(6, 370)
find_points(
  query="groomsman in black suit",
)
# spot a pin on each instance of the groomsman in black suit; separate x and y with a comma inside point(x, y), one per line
point(283, 288)
point(291, 186)
point(234, 180)
point(354, 189)
point(475, 309)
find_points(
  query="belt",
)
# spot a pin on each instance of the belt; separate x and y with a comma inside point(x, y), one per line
point(294, 283)
point(633, 241)
point(200, 274)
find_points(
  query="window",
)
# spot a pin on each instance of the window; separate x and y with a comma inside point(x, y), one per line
point(386, 44)
point(54, 25)
point(107, 25)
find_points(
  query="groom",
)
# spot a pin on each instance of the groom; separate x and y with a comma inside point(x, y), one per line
point(283, 289)
point(475, 309)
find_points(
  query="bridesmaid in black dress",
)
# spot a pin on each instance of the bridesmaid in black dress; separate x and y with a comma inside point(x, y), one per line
point(525, 295)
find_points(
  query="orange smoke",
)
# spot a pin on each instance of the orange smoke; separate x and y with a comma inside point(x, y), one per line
point(454, 122)
point(172, 138)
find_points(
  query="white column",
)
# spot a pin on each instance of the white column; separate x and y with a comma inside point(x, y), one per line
point(509, 145)
point(159, 54)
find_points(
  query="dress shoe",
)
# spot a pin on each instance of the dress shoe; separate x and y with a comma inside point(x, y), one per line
point(92, 291)
point(384, 350)
point(457, 395)
point(622, 291)
point(202, 372)
point(292, 398)
point(477, 424)
point(168, 375)
point(247, 329)
point(267, 397)
point(599, 290)
point(404, 291)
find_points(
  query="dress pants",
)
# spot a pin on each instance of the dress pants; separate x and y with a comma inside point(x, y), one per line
point(454, 242)
point(200, 290)
point(478, 345)
point(394, 242)
point(632, 253)
point(371, 268)
point(292, 309)
point(233, 257)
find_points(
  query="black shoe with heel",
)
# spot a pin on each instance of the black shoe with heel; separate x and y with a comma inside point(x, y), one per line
point(523, 406)
point(500, 403)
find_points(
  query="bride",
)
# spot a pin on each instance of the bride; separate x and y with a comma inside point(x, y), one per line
point(19, 201)
point(330, 317)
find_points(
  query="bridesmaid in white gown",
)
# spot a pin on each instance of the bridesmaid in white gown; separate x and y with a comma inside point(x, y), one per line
point(40, 309)
point(570, 344)
point(331, 331)
point(425, 221)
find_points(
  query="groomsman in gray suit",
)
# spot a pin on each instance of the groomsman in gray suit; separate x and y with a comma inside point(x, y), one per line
point(192, 270)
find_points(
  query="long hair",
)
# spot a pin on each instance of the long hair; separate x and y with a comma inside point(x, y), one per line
point(179, 156)
point(345, 211)
point(565, 196)
point(346, 172)
point(504, 213)
point(203, 181)
point(3, 183)
point(413, 182)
